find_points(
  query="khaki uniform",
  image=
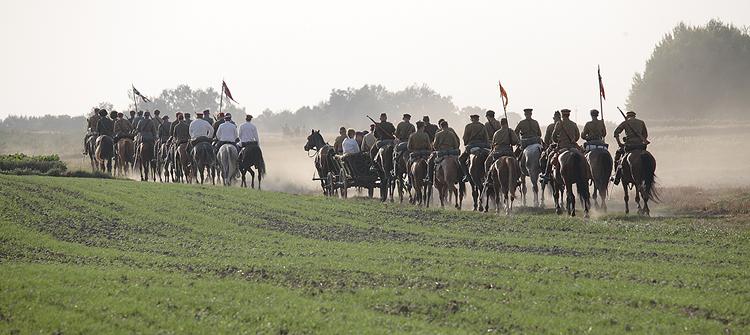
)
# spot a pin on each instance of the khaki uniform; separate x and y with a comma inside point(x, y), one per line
point(93, 121)
point(431, 130)
point(173, 126)
point(528, 128)
point(504, 137)
point(105, 126)
point(567, 134)
point(548, 134)
point(404, 130)
point(182, 131)
point(384, 130)
point(445, 140)
point(123, 126)
point(594, 130)
point(475, 133)
point(419, 141)
point(635, 131)
point(492, 126)
point(338, 144)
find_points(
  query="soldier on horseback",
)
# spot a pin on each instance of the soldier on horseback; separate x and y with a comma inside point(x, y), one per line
point(122, 128)
point(636, 138)
point(550, 128)
point(475, 136)
point(104, 126)
point(384, 132)
point(565, 136)
point(528, 130)
point(502, 143)
point(429, 128)
point(403, 131)
point(445, 143)
point(90, 129)
point(200, 131)
point(594, 132)
point(418, 144)
point(227, 133)
point(164, 129)
point(492, 125)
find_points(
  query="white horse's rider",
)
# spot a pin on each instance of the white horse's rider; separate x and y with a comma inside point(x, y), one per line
point(227, 132)
point(200, 130)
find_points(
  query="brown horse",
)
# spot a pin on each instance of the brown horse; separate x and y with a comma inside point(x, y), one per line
point(505, 173)
point(574, 169)
point(183, 164)
point(91, 149)
point(124, 155)
point(639, 170)
point(478, 174)
point(401, 175)
point(146, 160)
point(417, 174)
point(446, 177)
point(325, 165)
point(104, 153)
point(600, 161)
point(554, 179)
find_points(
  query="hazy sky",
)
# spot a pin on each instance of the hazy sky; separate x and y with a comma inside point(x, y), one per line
point(62, 57)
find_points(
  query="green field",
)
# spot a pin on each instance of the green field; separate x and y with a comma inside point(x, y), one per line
point(99, 256)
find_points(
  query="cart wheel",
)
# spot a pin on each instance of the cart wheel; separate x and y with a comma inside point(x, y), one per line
point(370, 191)
point(344, 187)
point(329, 184)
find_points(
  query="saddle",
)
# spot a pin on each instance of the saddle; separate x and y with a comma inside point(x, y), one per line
point(527, 141)
point(383, 143)
point(479, 150)
point(419, 154)
point(633, 147)
point(505, 150)
point(444, 153)
point(595, 144)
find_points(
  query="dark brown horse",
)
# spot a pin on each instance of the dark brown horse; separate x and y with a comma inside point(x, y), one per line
point(553, 179)
point(91, 149)
point(505, 173)
point(183, 164)
point(574, 169)
point(478, 174)
point(600, 161)
point(146, 160)
point(639, 170)
point(204, 161)
point(105, 151)
point(401, 175)
point(417, 174)
point(251, 156)
point(324, 160)
point(446, 176)
point(383, 158)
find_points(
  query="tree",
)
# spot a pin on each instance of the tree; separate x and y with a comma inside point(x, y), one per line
point(696, 72)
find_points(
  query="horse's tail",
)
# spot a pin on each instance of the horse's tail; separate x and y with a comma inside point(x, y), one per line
point(648, 166)
point(601, 179)
point(261, 164)
point(581, 174)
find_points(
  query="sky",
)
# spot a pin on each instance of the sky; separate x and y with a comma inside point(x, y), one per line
point(63, 57)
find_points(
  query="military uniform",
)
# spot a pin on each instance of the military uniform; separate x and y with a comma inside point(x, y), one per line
point(431, 130)
point(147, 130)
point(337, 144)
point(636, 133)
point(492, 126)
point(594, 130)
point(217, 124)
point(105, 126)
point(182, 132)
point(475, 133)
point(445, 140)
point(528, 129)
point(164, 131)
point(504, 138)
point(419, 141)
point(93, 121)
point(566, 133)
point(384, 131)
point(548, 134)
point(404, 130)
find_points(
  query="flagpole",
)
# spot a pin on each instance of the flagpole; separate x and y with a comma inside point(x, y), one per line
point(221, 99)
point(135, 100)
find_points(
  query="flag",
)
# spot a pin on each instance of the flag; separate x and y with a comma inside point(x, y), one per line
point(135, 91)
point(601, 84)
point(503, 95)
point(225, 89)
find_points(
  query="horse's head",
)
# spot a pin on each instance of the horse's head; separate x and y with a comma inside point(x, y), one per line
point(314, 141)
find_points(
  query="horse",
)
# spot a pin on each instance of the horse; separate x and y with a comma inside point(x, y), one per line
point(383, 158)
point(104, 153)
point(182, 162)
point(505, 172)
point(145, 160)
point(250, 156)
point(446, 177)
point(574, 169)
point(227, 158)
point(324, 161)
point(204, 162)
point(529, 166)
point(478, 174)
point(417, 175)
point(125, 155)
point(600, 162)
point(162, 160)
point(401, 174)
point(91, 149)
point(554, 179)
point(639, 169)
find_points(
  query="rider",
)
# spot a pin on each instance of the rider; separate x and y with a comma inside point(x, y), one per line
point(147, 129)
point(91, 129)
point(227, 132)
point(528, 130)
point(404, 129)
point(177, 119)
point(429, 128)
point(566, 132)
point(138, 119)
point(164, 129)
point(636, 138)
point(594, 131)
point(445, 141)
point(492, 125)
point(550, 128)
point(502, 143)
point(131, 119)
point(207, 117)
point(340, 139)
point(248, 133)
point(105, 126)
point(181, 133)
point(200, 130)
point(218, 123)
point(418, 144)
point(188, 120)
point(122, 128)
point(475, 136)
point(157, 118)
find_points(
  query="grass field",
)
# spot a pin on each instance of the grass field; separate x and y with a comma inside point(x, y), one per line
point(98, 256)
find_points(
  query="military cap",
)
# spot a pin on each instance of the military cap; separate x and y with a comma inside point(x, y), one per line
point(565, 111)
point(474, 116)
point(206, 112)
point(165, 117)
point(527, 110)
point(383, 114)
point(630, 113)
point(490, 113)
point(147, 113)
point(594, 112)
point(407, 116)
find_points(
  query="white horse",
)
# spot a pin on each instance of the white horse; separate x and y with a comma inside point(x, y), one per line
point(530, 167)
point(227, 158)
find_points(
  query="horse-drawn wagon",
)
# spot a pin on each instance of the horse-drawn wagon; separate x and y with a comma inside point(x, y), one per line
point(347, 171)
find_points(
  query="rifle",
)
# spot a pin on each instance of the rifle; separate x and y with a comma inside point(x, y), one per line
point(377, 125)
point(645, 141)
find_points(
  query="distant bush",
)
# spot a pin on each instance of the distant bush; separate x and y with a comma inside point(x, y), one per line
point(40, 164)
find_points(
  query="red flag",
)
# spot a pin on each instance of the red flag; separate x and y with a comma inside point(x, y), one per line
point(601, 84)
point(226, 91)
point(503, 95)
point(135, 91)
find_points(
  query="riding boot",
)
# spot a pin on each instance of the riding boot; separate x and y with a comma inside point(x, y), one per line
point(464, 166)
point(618, 175)
point(430, 169)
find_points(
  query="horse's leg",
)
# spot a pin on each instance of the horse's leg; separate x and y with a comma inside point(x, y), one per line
point(252, 178)
point(570, 202)
point(523, 190)
point(626, 196)
point(638, 199)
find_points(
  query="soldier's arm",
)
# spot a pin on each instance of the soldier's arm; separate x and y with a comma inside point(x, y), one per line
point(586, 132)
point(514, 139)
point(604, 129)
point(556, 131)
point(645, 132)
point(619, 128)
point(466, 135)
point(538, 129)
